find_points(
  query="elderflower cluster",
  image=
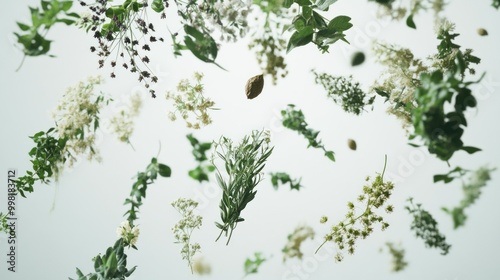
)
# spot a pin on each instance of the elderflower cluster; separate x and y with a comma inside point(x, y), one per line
point(77, 118)
point(295, 239)
point(185, 226)
point(190, 103)
point(122, 123)
point(128, 233)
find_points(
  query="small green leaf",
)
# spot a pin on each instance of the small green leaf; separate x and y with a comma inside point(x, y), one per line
point(287, 3)
point(303, 3)
point(164, 170)
point(23, 27)
point(330, 155)
point(470, 150)
point(410, 23)
point(157, 6)
point(340, 23)
point(358, 58)
point(300, 38)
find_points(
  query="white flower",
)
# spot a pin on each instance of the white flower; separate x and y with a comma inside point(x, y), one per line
point(122, 123)
point(127, 233)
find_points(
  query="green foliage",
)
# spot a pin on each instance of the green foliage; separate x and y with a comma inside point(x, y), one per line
point(355, 226)
point(471, 191)
point(200, 173)
point(357, 58)
point(309, 26)
point(344, 91)
point(295, 120)
point(398, 257)
point(455, 173)
point(243, 164)
point(46, 157)
point(4, 226)
point(425, 227)
point(140, 186)
point(442, 129)
point(112, 265)
point(283, 178)
point(202, 45)
point(252, 265)
point(495, 4)
point(32, 37)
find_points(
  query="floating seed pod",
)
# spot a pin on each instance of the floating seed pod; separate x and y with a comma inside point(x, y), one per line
point(254, 86)
point(357, 58)
point(352, 144)
point(482, 32)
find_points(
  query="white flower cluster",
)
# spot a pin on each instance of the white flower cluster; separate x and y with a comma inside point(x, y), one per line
point(77, 117)
point(128, 233)
point(122, 123)
point(232, 22)
point(201, 266)
point(184, 228)
point(295, 239)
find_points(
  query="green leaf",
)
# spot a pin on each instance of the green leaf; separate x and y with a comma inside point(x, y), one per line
point(358, 58)
point(324, 4)
point(157, 6)
point(470, 150)
point(287, 3)
point(66, 5)
point(300, 38)
point(164, 170)
point(330, 155)
point(340, 23)
point(23, 27)
point(303, 3)
point(410, 23)
point(111, 264)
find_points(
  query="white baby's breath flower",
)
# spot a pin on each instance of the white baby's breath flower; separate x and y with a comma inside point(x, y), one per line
point(295, 239)
point(122, 124)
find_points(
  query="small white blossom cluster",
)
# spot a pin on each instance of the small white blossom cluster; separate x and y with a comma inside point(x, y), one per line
point(190, 100)
point(232, 22)
point(295, 239)
point(122, 124)
point(77, 118)
point(184, 228)
point(128, 233)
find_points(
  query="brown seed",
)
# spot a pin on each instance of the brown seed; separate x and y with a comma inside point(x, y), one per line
point(482, 32)
point(254, 86)
point(352, 144)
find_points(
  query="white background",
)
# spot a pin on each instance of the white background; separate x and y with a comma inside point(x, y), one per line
point(64, 225)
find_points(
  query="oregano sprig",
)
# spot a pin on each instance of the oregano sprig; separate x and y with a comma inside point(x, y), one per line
point(355, 226)
point(201, 172)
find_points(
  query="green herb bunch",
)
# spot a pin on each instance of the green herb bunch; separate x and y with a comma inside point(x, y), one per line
point(295, 120)
point(140, 186)
point(111, 265)
point(252, 265)
point(283, 178)
point(200, 173)
point(243, 164)
point(344, 91)
point(32, 37)
point(309, 26)
point(184, 228)
point(426, 227)
point(471, 192)
point(76, 121)
point(398, 257)
point(355, 226)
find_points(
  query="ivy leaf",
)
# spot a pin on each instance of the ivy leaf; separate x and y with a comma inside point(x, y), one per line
point(300, 38)
point(164, 170)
